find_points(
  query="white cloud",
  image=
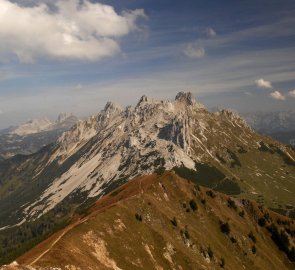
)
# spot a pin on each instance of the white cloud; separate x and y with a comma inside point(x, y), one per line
point(277, 95)
point(74, 30)
point(193, 50)
point(261, 83)
point(210, 32)
point(292, 93)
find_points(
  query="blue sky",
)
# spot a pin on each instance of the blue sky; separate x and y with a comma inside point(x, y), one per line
point(60, 57)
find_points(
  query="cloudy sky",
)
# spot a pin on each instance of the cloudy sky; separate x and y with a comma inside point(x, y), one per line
point(74, 56)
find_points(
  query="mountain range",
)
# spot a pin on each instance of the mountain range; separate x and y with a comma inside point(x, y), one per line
point(31, 136)
point(42, 192)
point(278, 125)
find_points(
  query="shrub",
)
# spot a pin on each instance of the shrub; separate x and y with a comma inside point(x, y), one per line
point(186, 233)
point(282, 241)
point(203, 201)
point(261, 221)
point(283, 222)
point(224, 228)
point(193, 205)
point(280, 238)
point(210, 193)
point(222, 263)
point(174, 222)
point(242, 213)
point(210, 252)
point(291, 254)
point(254, 249)
point(233, 240)
point(231, 204)
point(252, 237)
point(266, 216)
point(279, 221)
point(138, 217)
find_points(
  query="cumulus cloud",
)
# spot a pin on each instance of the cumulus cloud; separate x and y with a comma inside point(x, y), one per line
point(261, 83)
point(277, 95)
point(193, 50)
point(210, 32)
point(73, 29)
point(292, 93)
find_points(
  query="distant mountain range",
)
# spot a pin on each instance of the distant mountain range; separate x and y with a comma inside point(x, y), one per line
point(44, 191)
point(31, 136)
point(278, 125)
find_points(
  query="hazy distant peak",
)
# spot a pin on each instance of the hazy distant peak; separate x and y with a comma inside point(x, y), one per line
point(64, 116)
point(33, 126)
point(37, 125)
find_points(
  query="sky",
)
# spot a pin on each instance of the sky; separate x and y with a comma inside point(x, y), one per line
point(74, 56)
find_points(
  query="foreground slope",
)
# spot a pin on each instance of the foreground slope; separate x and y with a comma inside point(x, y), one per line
point(167, 222)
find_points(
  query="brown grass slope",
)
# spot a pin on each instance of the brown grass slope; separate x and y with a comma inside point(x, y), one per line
point(166, 222)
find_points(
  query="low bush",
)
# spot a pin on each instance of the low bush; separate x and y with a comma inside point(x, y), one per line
point(222, 263)
point(210, 193)
point(210, 252)
point(242, 213)
point(224, 228)
point(193, 205)
point(231, 204)
point(174, 222)
point(233, 240)
point(138, 217)
point(279, 237)
point(261, 222)
point(252, 237)
point(291, 254)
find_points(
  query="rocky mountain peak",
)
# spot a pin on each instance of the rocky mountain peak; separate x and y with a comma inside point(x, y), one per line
point(63, 117)
point(144, 99)
point(187, 99)
point(234, 117)
point(111, 107)
point(110, 110)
